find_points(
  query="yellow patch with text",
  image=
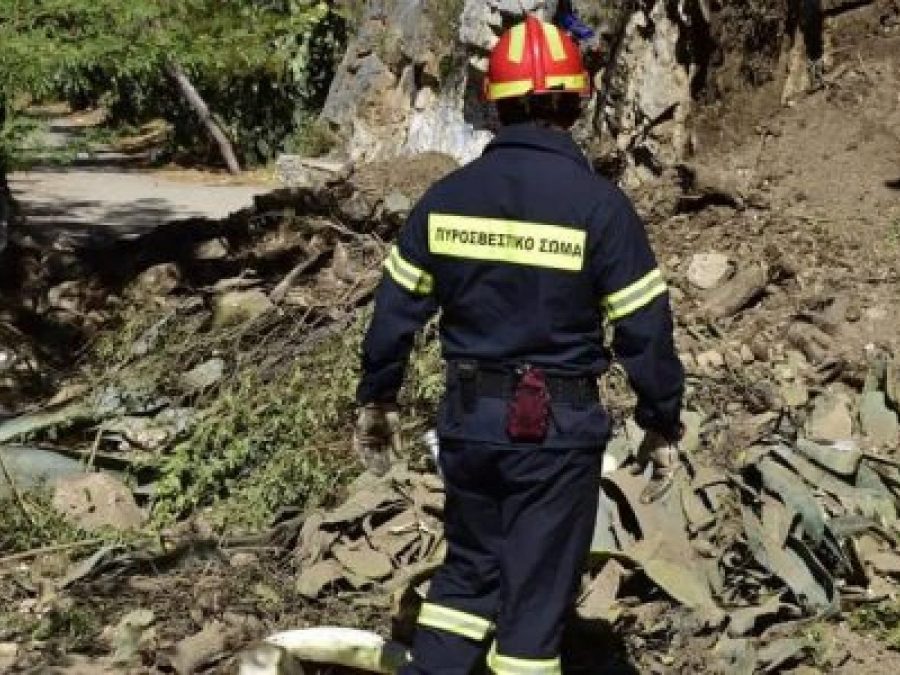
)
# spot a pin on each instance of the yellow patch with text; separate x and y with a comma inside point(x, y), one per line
point(507, 241)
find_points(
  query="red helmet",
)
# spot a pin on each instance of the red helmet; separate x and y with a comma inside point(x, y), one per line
point(534, 57)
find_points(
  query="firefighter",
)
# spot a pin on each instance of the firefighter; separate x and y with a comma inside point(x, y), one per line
point(526, 252)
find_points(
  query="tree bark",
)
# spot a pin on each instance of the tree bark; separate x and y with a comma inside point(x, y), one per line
point(199, 106)
point(5, 208)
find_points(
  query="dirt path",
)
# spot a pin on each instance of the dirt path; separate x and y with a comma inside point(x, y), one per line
point(107, 195)
point(119, 202)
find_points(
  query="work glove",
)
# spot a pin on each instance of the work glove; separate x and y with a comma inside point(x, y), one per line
point(660, 455)
point(377, 435)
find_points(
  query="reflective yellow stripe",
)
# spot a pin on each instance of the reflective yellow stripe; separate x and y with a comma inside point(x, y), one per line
point(507, 665)
point(633, 297)
point(567, 82)
point(554, 42)
point(408, 275)
point(509, 89)
point(507, 241)
point(453, 621)
point(517, 43)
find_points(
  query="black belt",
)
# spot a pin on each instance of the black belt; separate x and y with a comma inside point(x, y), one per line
point(579, 391)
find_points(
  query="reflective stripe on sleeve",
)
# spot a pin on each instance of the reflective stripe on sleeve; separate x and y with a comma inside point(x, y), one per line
point(408, 275)
point(454, 621)
point(632, 298)
point(507, 665)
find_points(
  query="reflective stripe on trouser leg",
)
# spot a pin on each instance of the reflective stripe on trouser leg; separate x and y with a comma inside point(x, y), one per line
point(454, 621)
point(508, 665)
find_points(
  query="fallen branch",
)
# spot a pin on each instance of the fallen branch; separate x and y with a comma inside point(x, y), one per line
point(57, 548)
point(279, 293)
point(198, 105)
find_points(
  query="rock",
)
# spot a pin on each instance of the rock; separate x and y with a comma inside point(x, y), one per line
point(356, 209)
point(830, 419)
point(710, 360)
point(313, 581)
point(243, 559)
point(159, 280)
point(214, 249)
point(708, 270)
point(200, 649)
point(142, 432)
point(599, 598)
point(733, 360)
point(312, 174)
point(203, 376)
point(747, 355)
point(743, 288)
point(794, 393)
point(96, 501)
point(364, 562)
point(70, 296)
point(693, 422)
point(31, 467)
point(878, 422)
point(129, 633)
point(9, 651)
point(236, 307)
point(397, 205)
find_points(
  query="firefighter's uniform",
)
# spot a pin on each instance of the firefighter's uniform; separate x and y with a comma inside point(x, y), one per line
point(526, 253)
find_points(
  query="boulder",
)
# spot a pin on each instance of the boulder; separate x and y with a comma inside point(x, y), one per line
point(236, 307)
point(95, 501)
point(708, 270)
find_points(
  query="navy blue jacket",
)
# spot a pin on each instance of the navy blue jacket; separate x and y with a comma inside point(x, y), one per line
point(526, 251)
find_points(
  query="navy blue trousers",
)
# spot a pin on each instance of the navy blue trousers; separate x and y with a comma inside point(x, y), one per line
point(519, 523)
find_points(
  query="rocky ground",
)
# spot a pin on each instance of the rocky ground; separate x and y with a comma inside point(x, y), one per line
point(208, 366)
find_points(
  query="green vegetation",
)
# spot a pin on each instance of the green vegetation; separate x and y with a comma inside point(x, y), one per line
point(33, 523)
point(276, 431)
point(882, 620)
point(236, 53)
point(893, 235)
point(265, 444)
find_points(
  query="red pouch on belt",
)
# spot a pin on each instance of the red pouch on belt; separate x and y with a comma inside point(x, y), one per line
point(528, 417)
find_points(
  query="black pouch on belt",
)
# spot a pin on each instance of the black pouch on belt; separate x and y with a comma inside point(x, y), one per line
point(467, 374)
point(528, 415)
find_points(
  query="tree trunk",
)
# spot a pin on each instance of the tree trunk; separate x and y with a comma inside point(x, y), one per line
point(199, 106)
point(5, 207)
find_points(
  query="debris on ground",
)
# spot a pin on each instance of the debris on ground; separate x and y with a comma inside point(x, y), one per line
point(200, 375)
